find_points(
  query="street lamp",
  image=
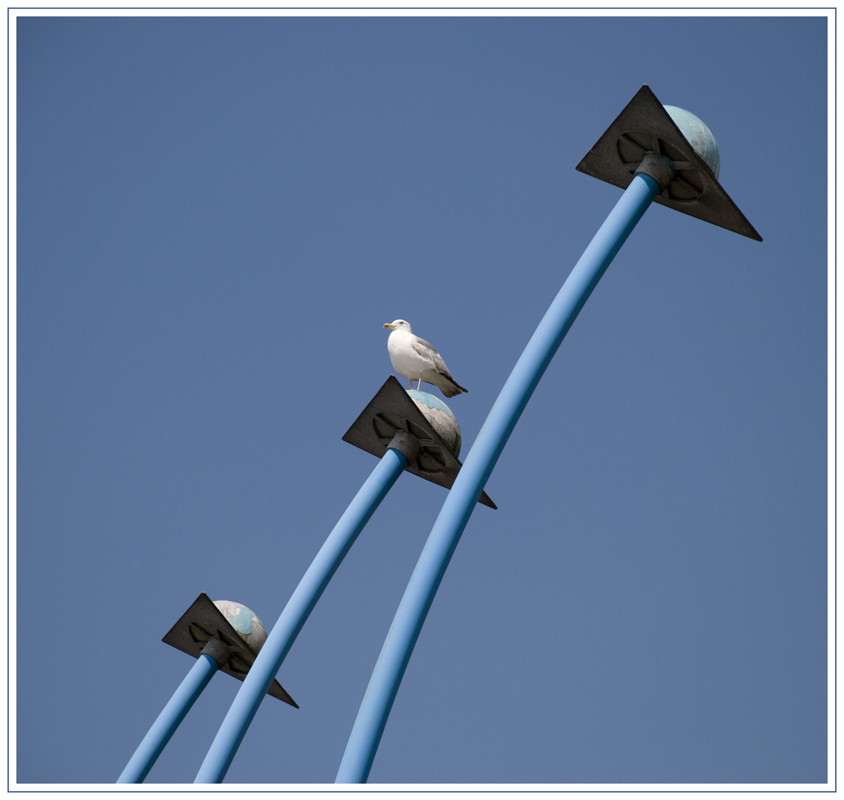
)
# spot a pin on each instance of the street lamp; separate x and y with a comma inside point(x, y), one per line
point(219, 635)
point(405, 430)
point(654, 153)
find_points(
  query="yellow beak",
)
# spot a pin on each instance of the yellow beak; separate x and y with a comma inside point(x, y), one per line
point(388, 324)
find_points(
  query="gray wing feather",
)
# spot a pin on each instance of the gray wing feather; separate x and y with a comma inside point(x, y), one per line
point(429, 353)
point(449, 387)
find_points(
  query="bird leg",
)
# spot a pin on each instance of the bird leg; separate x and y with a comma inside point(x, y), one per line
point(419, 385)
point(410, 383)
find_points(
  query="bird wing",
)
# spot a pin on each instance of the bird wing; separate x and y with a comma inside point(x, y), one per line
point(445, 382)
point(429, 353)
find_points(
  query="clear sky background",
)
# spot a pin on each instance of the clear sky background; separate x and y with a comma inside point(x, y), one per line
point(215, 218)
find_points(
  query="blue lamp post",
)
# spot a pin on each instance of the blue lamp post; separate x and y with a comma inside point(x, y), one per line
point(169, 719)
point(295, 614)
point(655, 153)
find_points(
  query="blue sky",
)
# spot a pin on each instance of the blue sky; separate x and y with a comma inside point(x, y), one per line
point(215, 217)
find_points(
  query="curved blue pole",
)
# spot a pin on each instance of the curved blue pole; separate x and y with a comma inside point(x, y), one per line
point(169, 719)
point(260, 676)
point(461, 500)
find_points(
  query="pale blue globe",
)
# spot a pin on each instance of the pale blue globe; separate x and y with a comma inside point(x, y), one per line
point(245, 622)
point(440, 417)
point(698, 135)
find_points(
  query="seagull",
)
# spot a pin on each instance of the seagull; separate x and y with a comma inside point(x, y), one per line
point(413, 358)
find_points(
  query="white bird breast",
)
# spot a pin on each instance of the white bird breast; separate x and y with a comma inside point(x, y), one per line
point(406, 361)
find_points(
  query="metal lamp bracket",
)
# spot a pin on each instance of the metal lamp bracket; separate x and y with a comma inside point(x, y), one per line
point(644, 139)
point(387, 422)
point(203, 629)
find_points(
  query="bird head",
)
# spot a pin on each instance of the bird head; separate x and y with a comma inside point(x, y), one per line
point(398, 325)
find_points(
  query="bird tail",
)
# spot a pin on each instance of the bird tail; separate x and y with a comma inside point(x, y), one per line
point(451, 389)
